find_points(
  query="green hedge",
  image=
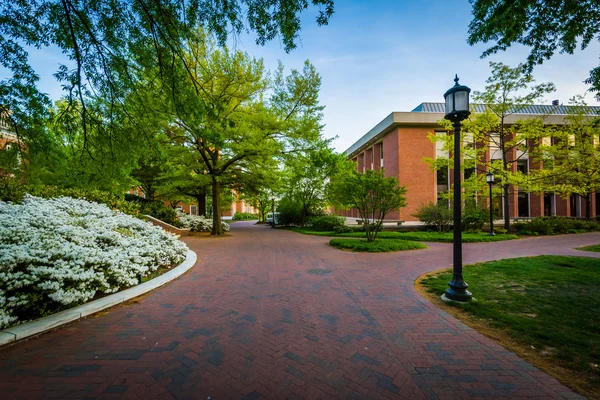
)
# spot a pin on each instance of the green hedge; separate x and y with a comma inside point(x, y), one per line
point(239, 216)
point(555, 225)
point(327, 222)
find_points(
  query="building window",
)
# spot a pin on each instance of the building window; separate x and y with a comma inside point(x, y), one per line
point(523, 204)
point(193, 210)
point(443, 184)
point(549, 204)
point(574, 203)
point(381, 155)
point(523, 166)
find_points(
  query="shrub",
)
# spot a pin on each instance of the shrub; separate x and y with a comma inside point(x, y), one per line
point(11, 189)
point(327, 222)
point(198, 223)
point(239, 216)
point(555, 225)
point(474, 217)
point(60, 252)
point(113, 201)
point(437, 215)
point(159, 210)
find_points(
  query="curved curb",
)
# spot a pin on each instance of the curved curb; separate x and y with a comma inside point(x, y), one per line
point(44, 324)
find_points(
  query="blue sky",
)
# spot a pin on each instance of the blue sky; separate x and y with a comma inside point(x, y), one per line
point(376, 57)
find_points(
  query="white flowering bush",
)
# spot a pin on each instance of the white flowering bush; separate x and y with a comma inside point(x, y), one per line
point(198, 223)
point(57, 253)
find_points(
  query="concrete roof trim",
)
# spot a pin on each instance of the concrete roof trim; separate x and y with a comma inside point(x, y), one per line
point(389, 122)
point(367, 137)
point(430, 118)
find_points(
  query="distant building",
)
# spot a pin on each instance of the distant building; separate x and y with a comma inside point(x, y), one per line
point(399, 143)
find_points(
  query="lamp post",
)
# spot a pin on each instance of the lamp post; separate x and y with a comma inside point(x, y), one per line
point(457, 110)
point(489, 177)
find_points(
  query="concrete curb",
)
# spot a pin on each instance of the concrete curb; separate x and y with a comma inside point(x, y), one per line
point(44, 324)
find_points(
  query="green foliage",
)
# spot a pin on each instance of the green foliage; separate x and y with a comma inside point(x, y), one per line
point(234, 131)
point(571, 156)
point(555, 225)
point(371, 193)
point(379, 246)
point(110, 41)
point(443, 237)
point(239, 216)
point(436, 215)
point(544, 27)
point(11, 189)
point(528, 299)
point(115, 202)
point(306, 174)
point(292, 212)
point(158, 210)
point(474, 216)
point(327, 222)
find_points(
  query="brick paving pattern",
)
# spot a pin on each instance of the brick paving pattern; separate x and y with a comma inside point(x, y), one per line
point(274, 314)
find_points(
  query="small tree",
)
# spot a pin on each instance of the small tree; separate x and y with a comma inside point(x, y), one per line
point(372, 194)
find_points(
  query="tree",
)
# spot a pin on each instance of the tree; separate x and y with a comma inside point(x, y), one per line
point(571, 156)
point(101, 156)
point(306, 175)
point(183, 177)
point(544, 26)
point(228, 112)
point(507, 92)
point(102, 38)
point(373, 195)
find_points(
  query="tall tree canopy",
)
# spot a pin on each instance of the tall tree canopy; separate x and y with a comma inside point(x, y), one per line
point(100, 37)
point(544, 26)
point(224, 107)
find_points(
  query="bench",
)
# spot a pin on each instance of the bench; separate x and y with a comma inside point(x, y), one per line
point(385, 221)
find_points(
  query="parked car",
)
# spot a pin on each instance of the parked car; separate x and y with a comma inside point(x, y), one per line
point(270, 218)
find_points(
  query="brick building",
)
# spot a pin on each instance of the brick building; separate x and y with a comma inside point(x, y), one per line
point(399, 144)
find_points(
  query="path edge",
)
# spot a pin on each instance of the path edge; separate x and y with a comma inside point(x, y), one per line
point(41, 325)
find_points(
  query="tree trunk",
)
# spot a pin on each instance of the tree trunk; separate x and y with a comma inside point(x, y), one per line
point(506, 208)
point(217, 228)
point(201, 199)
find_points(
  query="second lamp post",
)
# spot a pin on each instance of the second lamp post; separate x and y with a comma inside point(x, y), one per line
point(489, 177)
point(457, 110)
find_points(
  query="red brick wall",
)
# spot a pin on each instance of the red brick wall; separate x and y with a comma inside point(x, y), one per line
point(419, 179)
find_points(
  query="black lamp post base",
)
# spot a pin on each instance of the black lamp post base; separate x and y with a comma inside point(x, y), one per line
point(492, 234)
point(446, 299)
point(458, 291)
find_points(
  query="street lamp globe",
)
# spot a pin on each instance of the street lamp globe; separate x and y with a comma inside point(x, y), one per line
point(489, 178)
point(457, 102)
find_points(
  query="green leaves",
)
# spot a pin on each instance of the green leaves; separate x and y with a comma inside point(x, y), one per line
point(544, 26)
point(372, 194)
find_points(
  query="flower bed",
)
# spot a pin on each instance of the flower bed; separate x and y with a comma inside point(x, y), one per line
point(61, 252)
point(198, 223)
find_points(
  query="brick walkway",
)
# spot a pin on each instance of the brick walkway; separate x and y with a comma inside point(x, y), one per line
point(275, 314)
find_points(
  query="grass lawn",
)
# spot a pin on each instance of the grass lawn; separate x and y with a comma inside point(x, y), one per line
point(414, 236)
point(594, 247)
point(545, 308)
point(435, 236)
point(311, 231)
point(378, 246)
